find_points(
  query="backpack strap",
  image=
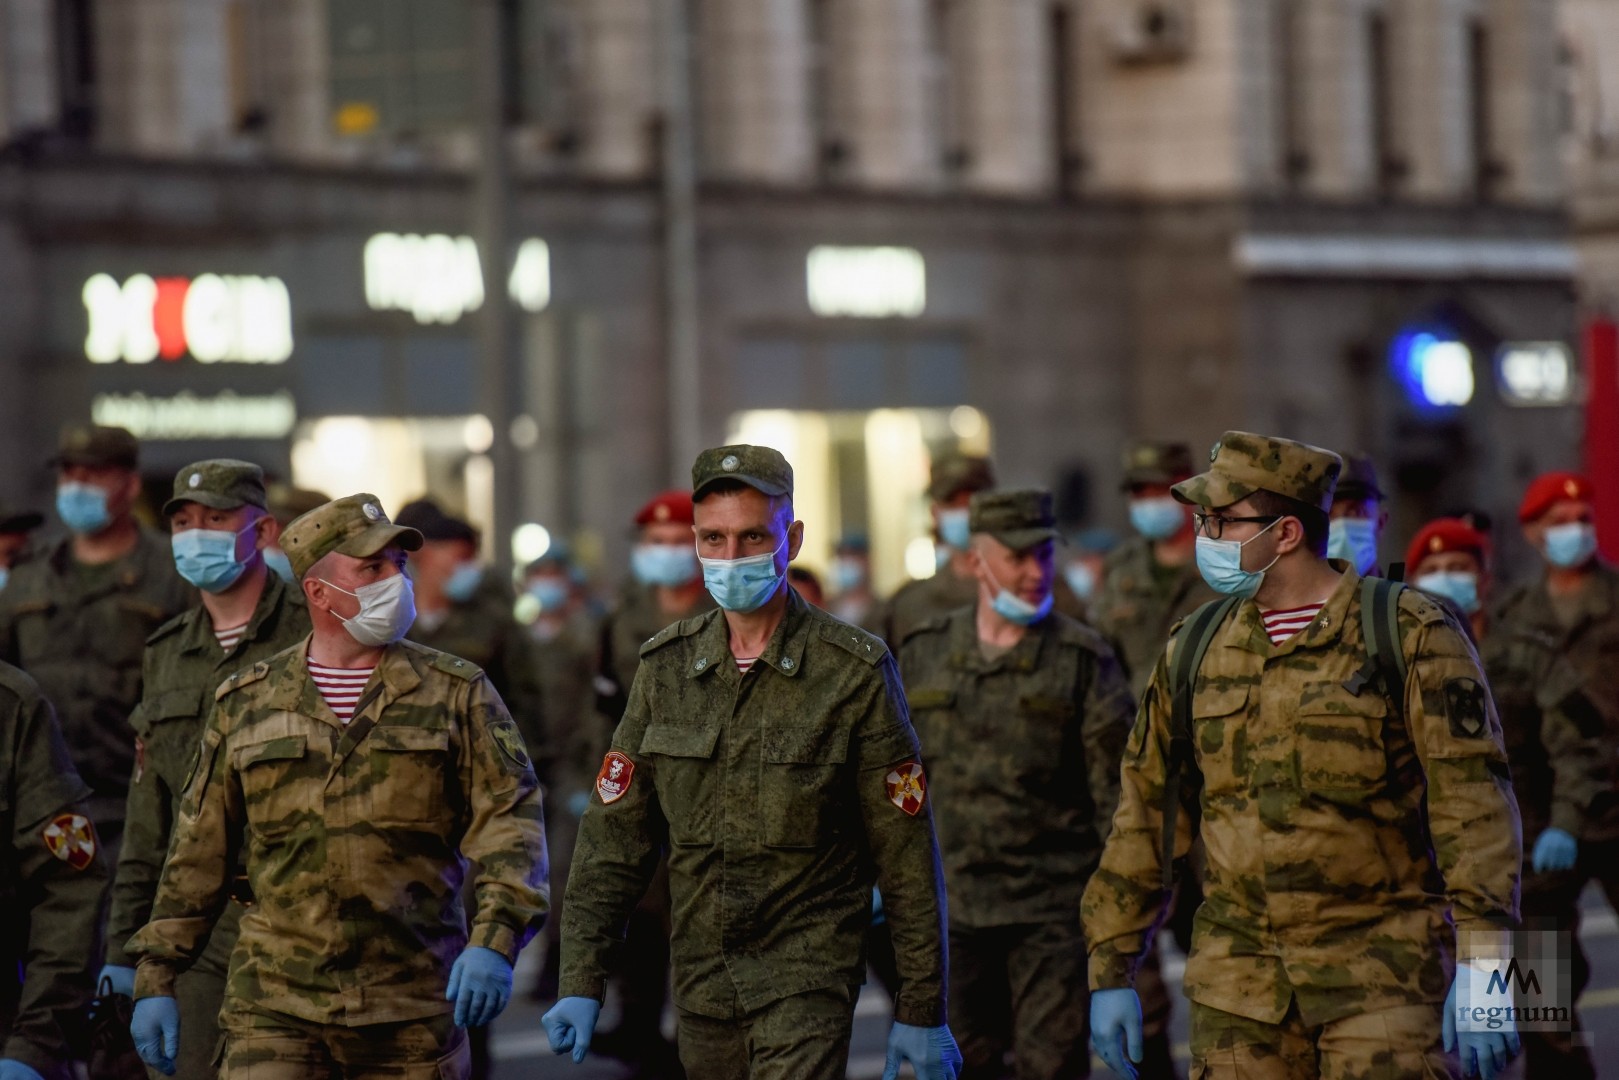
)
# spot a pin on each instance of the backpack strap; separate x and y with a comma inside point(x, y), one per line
point(1380, 631)
point(1191, 643)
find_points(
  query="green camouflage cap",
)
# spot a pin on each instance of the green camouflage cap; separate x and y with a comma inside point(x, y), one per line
point(1150, 462)
point(286, 502)
point(957, 473)
point(220, 483)
point(97, 447)
point(14, 519)
point(354, 525)
point(760, 467)
point(1358, 481)
point(1018, 519)
point(1242, 463)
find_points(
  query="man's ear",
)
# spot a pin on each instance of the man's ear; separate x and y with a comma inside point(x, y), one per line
point(1292, 538)
point(795, 540)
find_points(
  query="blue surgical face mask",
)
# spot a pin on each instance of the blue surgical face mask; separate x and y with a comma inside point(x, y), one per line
point(207, 557)
point(954, 528)
point(664, 564)
point(549, 592)
point(1220, 563)
point(1157, 518)
point(1457, 586)
point(743, 585)
point(277, 561)
point(1081, 579)
point(1014, 609)
point(1571, 546)
point(1353, 540)
point(82, 507)
point(847, 574)
point(5, 576)
point(463, 582)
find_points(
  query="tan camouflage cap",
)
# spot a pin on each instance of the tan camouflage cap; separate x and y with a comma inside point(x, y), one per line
point(957, 473)
point(97, 447)
point(1358, 481)
point(220, 483)
point(760, 467)
point(1242, 463)
point(1149, 462)
point(354, 525)
point(1018, 519)
point(286, 502)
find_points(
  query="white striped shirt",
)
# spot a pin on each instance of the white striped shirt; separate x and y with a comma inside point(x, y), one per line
point(229, 637)
point(341, 687)
point(744, 664)
point(1283, 623)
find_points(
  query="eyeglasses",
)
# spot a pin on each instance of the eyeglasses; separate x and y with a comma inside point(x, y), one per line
point(1213, 525)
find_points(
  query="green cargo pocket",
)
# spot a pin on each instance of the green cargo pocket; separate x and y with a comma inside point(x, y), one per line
point(803, 803)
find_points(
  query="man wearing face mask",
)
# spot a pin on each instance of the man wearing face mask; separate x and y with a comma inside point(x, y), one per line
point(1449, 559)
point(770, 748)
point(286, 503)
point(219, 530)
point(953, 482)
point(1362, 838)
point(360, 776)
point(1549, 655)
point(1358, 515)
point(1024, 713)
point(16, 529)
point(77, 616)
point(853, 600)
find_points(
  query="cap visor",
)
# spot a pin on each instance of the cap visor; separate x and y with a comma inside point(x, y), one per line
point(773, 490)
point(1212, 490)
point(379, 536)
point(1024, 539)
point(17, 523)
point(203, 498)
point(1138, 477)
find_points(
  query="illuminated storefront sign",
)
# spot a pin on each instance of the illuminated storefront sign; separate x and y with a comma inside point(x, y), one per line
point(1436, 370)
point(438, 278)
point(1535, 373)
point(191, 416)
point(866, 282)
point(213, 318)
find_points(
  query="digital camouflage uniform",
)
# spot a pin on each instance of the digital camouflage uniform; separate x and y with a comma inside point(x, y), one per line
point(51, 880)
point(1557, 690)
point(1023, 759)
point(183, 667)
point(1345, 847)
point(356, 839)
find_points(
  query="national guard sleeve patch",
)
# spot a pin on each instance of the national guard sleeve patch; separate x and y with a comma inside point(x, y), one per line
point(71, 838)
point(908, 787)
point(613, 782)
point(510, 742)
point(1465, 708)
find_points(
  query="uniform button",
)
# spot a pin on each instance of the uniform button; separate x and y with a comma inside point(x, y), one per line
point(786, 663)
point(702, 662)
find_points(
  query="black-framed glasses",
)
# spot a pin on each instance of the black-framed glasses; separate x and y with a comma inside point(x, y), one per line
point(1213, 525)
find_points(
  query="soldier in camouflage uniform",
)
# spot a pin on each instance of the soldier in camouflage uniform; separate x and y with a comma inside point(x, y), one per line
point(951, 486)
point(1548, 649)
point(220, 527)
point(357, 813)
point(1024, 713)
point(286, 504)
point(51, 880)
point(771, 865)
point(1358, 847)
point(1358, 516)
point(77, 617)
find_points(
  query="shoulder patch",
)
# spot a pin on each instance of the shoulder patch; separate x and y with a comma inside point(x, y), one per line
point(174, 624)
point(1423, 607)
point(245, 677)
point(675, 631)
point(1466, 708)
point(454, 665)
point(852, 639)
point(936, 625)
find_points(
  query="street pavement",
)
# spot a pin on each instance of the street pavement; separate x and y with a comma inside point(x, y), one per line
point(521, 1051)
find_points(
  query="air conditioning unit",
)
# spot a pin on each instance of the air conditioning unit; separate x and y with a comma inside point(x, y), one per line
point(1151, 31)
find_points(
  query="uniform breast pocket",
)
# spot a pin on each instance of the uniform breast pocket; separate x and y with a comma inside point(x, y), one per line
point(1220, 738)
point(1341, 749)
point(686, 778)
point(799, 787)
point(280, 787)
point(934, 718)
point(1045, 722)
point(409, 768)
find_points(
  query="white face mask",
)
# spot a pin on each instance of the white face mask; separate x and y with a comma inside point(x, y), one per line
point(387, 609)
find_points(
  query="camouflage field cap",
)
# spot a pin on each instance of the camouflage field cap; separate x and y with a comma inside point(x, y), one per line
point(97, 447)
point(14, 519)
point(220, 483)
point(286, 502)
point(354, 525)
point(957, 473)
point(1150, 462)
point(760, 467)
point(1018, 519)
point(1358, 481)
point(1242, 463)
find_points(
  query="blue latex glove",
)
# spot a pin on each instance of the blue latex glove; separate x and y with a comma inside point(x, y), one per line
point(1116, 1029)
point(577, 802)
point(1555, 850)
point(1483, 1053)
point(878, 916)
point(570, 1024)
point(15, 1070)
point(930, 1050)
point(121, 978)
point(155, 1027)
point(480, 986)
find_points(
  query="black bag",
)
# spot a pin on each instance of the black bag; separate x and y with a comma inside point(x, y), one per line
point(112, 1049)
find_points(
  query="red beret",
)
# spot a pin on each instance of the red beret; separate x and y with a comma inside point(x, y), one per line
point(672, 505)
point(1446, 534)
point(1550, 488)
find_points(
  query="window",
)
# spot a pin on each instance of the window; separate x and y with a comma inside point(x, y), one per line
point(1481, 151)
point(76, 67)
point(832, 151)
point(1291, 124)
point(1386, 165)
point(1065, 100)
point(945, 44)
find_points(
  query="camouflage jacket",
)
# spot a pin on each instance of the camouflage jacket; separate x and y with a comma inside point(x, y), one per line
point(919, 602)
point(83, 644)
point(1557, 688)
point(51, 879)
point(1136, 604)
point(1023, 757)
point(634, 621)
point(575, 735)
point(356, 840)
point(782, 795)
point(1344, 848)
point(184, 666)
